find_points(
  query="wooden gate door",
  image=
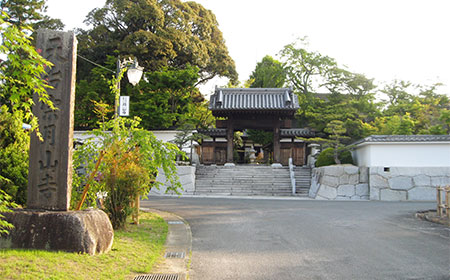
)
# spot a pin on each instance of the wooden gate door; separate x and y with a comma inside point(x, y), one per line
point(207, 155)
point(298, 154)
point(221, 156)
point(285, 155)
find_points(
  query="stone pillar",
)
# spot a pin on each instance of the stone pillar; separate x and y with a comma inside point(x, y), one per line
point(276, 143)
point(50, 167)
point(230, 136)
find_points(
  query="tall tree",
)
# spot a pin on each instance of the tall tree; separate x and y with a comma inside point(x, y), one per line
point(160, 34)
point(166, 98)
point(29, 12)
point(268, 73)
point(328, 92)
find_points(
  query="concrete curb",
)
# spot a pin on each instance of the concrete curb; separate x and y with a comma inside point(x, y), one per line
point(179, 240)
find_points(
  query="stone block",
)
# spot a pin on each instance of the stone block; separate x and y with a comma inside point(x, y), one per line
point(327, 192)
point(392, 195)
point(344, 179)
point(422, 180)
point(400, 183)
point(342, 198)
point(314, 188)
point(365, 197)
point(379, 170)
point(440, 181)
point(346, 190)
point(354, 179)
point(334, 170)
point(378, 181)
point(363, 174)
point(88, 231)
point(356, 197)
point(351, 169)
point(330, 180)
point(374, 193)
point(362, 189)
point(422, 193)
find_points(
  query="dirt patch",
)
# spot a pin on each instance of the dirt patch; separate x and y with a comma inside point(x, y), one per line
point(431, 216)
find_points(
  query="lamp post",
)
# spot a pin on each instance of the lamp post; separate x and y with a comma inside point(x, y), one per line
point(134, 75)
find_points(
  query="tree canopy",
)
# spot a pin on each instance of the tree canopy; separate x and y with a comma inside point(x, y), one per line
point(268, 73)
point(329, 92)
point(179, 44)
point(166, 33)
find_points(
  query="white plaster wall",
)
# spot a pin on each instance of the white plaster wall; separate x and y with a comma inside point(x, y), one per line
point(163, 135)
point(403, 154)
point(361, 155)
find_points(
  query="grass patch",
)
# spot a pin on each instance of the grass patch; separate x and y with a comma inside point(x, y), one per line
point(135, 250)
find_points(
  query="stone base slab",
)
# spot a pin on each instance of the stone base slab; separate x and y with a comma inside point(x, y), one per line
point(88, 231)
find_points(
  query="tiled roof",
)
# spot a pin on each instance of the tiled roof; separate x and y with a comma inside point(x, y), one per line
point(301, 132)
point(254, 99)
point(404, 138)
point(285, 132)
point(214, 132)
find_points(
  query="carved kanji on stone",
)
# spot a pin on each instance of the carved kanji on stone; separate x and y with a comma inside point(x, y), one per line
point(50, 170)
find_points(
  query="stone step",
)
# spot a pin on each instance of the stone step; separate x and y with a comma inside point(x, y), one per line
point(249, 180)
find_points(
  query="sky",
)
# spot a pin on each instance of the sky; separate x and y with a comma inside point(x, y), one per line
point(382, 39)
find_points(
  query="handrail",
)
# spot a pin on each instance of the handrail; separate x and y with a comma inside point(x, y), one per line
point(292, 176)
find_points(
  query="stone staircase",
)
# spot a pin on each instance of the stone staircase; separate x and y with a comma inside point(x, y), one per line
point(302, 180)
point(246, 180)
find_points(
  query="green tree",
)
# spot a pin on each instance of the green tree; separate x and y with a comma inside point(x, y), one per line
point(328, 92)
point(268, 73)
point(5, 205)
point(14, 143)
point(167, 33)
point(29, 12)
point(166, 99)
point(413, 109)
point(20, 78)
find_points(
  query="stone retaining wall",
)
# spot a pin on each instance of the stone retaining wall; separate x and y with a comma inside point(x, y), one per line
point(187, 180)
point(407, 183)
point(340, 182)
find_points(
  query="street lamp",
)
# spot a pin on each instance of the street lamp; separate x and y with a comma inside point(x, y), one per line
point(134, 74)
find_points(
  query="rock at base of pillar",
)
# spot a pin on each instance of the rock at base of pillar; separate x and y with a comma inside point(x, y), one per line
point(229, 164)
point(88, 231)
point(277, 165)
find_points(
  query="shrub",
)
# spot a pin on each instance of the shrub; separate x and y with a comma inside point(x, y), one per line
point(326, 157)
point(5, 204)
point(14, 146)
point(130, 163)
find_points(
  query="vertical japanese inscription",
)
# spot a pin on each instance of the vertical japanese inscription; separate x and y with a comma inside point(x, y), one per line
point(50, 170)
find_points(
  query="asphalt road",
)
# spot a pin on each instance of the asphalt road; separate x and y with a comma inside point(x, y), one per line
point(287, 239)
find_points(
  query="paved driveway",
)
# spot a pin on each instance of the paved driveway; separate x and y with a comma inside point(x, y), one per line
point(286, 239)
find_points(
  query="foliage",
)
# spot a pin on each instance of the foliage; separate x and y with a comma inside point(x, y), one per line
point(29, 12)
point(5, 204)
point(186, 134)
point(326, 157)
point(329, 92)
point(265, 138)
point(14, 143)
point(167, 33)
point(199, 115)
point(167, 98)
point(136, 250)
point(132, 157)
point(268, 73)
point(20, 72)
